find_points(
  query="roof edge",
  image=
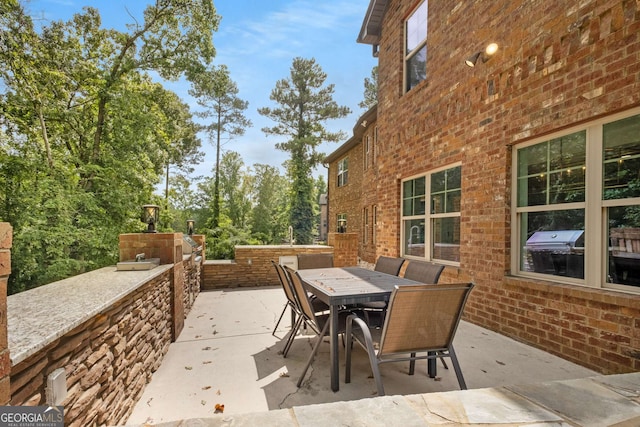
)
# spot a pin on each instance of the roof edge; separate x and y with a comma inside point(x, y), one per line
point(358, 130)
point(371, 29)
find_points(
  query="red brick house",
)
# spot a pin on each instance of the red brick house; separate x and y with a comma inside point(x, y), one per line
point(351, 186)
point(520, 173)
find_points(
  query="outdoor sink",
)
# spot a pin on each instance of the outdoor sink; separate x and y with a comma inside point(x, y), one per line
point(144, 264)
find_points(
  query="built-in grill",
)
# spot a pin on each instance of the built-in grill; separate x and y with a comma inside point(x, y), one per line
point(558, 252)
point(190, 246)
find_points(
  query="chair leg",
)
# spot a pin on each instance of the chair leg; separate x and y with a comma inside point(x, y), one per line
point(279, 319)
point(315, 351)
point(456, 368)
point(412, 364)
point(292, 335)
point(444, 363)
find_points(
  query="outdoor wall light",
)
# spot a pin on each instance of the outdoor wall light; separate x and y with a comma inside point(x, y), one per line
point(190, 225)
point(483, 54)
point(150, 216)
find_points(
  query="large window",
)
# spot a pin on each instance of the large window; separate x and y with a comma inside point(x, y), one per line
point(415, 54)
point(343, 171)
point(432, 233)
point(577, 205)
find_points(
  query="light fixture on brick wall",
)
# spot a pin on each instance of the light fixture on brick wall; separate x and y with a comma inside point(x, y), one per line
point(190, 225)
point(150, 216)
point(485, 54)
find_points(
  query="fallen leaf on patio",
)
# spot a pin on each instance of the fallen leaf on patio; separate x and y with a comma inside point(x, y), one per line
point(203, 402)
point(218, 392)
point(206, 362)
point(202, 315)
point(437, 379)
point(149, 401)
point(198, 336)
point(215, 332)
point(207, 348)
point(284, 375)
point(207, 387)
point(219, 408)
point(188, 368)
point(500, 363)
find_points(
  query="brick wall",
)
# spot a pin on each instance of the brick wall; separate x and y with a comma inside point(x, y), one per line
point(559, 64)
point(108, 360)
point(346, 199)
point(6, 239)
point(252, 266)
point(168, 248)
point(345, 249)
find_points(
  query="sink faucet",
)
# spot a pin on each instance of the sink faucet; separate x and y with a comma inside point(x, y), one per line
point(140, 257)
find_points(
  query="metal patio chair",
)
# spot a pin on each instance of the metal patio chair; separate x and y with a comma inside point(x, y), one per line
point(319, 322)
point(306, 261)
point(421, 323)
point(293, 305)
point(384, 264)
point(423, 271)
point(389, 265)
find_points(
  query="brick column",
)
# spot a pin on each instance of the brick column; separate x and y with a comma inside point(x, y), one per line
point(345, 249)
point(6, 239)
point(167, 247)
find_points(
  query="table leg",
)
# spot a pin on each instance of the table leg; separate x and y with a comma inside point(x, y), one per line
point(432, 366)
point(334, 356)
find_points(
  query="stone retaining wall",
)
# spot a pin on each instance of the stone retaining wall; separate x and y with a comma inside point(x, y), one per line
point(108, 359)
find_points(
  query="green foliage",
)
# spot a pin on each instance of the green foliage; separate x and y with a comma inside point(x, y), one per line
point(86, 134)
point(217, 94)
point(304, 105)
point(269, 219)
point(370, 90)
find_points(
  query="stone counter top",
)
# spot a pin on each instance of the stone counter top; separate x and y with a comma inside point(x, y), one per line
point(37, 317)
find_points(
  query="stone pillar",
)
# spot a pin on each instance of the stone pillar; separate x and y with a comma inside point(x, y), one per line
point(6, 239)
point(345, 249)
point(167, 247)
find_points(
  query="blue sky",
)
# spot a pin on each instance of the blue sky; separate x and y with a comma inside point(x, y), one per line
point(258, 40)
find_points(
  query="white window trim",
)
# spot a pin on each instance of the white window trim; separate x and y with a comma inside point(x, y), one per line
point(342, 171)
point(428, 216)
point(406, 55)
point(595, 209)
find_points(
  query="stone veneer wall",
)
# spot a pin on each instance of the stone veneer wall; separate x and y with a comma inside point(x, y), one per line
point(192, 268)
point(252, 265)
point(108, 359)
point(6, 239)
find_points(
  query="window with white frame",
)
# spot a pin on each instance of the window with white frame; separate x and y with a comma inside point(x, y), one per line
point(432, 231)
point(375, 224)
point(415, 53)
point(367, 150)
point(365, 229)
point(343, 171)
point(577, 205)
point(375, 144)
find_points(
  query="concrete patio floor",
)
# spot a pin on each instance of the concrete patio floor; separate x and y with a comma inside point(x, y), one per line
point(226, 355)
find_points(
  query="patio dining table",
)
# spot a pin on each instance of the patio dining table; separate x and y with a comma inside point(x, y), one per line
point(340, 286)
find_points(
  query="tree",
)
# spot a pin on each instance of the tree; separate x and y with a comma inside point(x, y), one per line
point(217, 93)
point(235, 188)
point(304, 105)
point(269, 215)
point(370, 90)
point(87, 132)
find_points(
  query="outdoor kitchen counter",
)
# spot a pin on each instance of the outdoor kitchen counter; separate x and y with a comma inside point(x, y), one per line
point(37, 317)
